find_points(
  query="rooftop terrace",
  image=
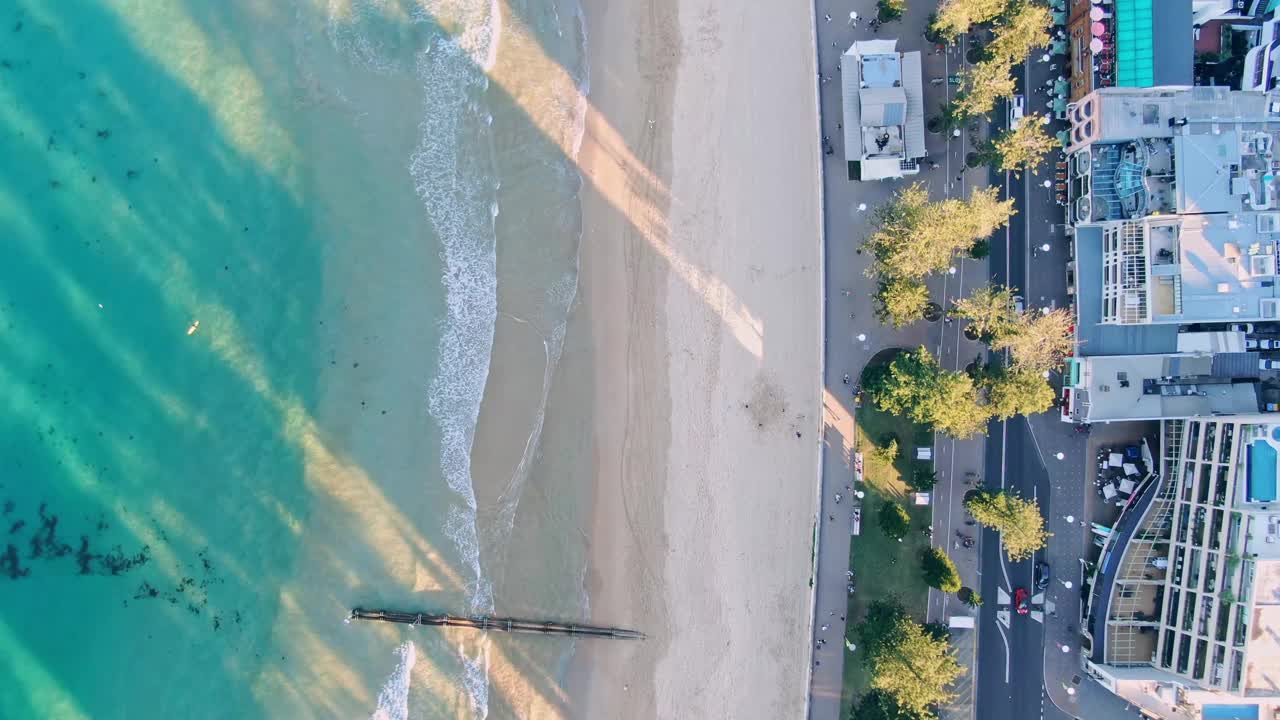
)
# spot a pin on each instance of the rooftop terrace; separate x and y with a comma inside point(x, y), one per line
point(1142, 387)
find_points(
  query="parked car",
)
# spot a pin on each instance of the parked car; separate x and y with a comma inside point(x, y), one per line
point(1021, 601)
point(1017, 107)
point(1245, 328)
point(1263, 344)
point(1268, 364)
point(1042, 575)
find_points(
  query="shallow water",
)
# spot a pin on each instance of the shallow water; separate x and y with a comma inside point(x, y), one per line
point(344, 203)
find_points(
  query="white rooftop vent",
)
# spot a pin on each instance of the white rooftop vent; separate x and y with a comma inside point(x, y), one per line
point(1224, 288)
point(1268, 222)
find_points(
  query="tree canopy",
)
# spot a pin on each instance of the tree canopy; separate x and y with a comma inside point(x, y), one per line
point(938, 570)
point(894, 520)
point(878, 705)
point(1017, 391)
point(909, 665)
point(1017, 519)
point(915, 385)
point(1025, 146)
point(955, 17)
point(900, 302)
point(981, 85)
point(890, 10)
point(990, 311)
point(1021, 29)
point(1040, 340)
point(913, 237)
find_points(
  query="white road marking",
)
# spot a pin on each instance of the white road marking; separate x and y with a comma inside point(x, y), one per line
point(1005, 639)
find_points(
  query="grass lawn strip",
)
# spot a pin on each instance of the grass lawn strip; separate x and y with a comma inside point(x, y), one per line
point(884, 567)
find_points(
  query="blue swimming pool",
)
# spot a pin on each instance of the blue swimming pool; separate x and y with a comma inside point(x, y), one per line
point(1229, 712)
point(1261, 474)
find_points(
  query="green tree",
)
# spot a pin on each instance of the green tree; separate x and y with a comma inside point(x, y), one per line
point(973, 599)
point(1017, 519)
point(1040, 341)
point(878, 705)
point(1023, 28)
point(900, 302)
point(878, 624)
point(1025, 146)
point(981, 85)
point(938, 570)
point(1017, 391)
point(913, 237)
point(955, 17)
point(894, 520)
point(890, 10)
point(912, 667)
point(990, 311)
point(915, 385)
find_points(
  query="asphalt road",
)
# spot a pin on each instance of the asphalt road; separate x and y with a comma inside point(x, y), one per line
point(1010, 673)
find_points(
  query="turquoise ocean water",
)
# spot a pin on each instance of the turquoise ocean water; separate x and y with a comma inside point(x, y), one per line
point(331, 189)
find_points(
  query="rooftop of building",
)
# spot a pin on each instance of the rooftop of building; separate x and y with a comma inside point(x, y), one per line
point(1120, 113)
point(1093, 337)
point(883, 102)
point(1139, 387)
point(1262, 649)
point(1229, 165)
point(1226, 267)
point(1153, 42)
point(1182, 269)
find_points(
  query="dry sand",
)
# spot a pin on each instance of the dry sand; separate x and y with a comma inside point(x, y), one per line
point(700, 288)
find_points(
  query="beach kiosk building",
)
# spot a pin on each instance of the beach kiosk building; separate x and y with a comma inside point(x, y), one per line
point(883, 110)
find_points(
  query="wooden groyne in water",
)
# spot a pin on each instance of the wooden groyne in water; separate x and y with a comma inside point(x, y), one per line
point(508, 625)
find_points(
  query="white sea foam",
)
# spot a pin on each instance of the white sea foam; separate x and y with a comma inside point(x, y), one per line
point(455, 189)
point(377, 35)
point(393, 699)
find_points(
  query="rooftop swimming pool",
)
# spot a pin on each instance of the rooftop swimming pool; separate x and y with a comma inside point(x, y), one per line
point(1261, 475)
point(1229, 712)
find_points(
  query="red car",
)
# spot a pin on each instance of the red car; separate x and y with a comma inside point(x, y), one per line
point(1020, 601)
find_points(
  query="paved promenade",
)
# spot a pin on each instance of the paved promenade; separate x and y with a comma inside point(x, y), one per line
point(853, 335)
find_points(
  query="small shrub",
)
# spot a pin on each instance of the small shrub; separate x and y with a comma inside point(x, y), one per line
point(922, 478)
point(894, 520)
point(888, 451)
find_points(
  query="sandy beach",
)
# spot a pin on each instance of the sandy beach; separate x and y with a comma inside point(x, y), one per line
point(700, 290)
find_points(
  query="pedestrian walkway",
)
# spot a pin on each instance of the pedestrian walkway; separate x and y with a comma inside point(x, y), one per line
point(1065, 681)
point(853, 335)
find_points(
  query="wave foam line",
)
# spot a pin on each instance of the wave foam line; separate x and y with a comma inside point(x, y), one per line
point(393, 699)
point(457, 192)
